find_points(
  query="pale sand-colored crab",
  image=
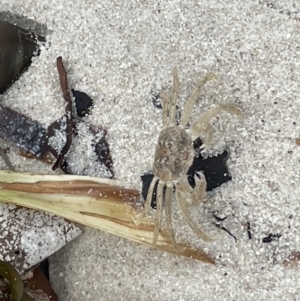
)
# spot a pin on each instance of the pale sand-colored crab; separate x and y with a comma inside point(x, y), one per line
point(174, 155)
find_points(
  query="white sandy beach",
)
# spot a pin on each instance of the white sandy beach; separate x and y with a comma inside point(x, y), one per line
point(119, 52)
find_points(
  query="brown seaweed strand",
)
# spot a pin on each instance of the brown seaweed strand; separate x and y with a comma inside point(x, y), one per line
point(69, 121)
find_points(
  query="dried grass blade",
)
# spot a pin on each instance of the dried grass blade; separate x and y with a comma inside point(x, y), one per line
point(99, 203)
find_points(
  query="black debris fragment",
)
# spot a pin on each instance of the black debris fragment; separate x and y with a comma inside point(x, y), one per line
point(214, 169)
point(103, 154)
point(271, 237)
point(83, 103)
point(44, 266)
point(249, 230)
point(6, 159)
point(220, 219)
point(155, 99)
point(197, 144)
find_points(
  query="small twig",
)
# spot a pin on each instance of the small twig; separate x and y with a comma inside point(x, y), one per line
point(227, 231)
point(6, 159)
point(67, 97)
point(249, 230)
point(221, 219)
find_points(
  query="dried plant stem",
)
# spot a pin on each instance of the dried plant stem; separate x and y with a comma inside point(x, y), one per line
point(99, 203)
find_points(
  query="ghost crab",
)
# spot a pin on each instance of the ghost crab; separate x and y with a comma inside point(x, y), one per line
point(174, 155)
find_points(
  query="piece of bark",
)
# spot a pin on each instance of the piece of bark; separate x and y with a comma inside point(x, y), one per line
point(24, 132)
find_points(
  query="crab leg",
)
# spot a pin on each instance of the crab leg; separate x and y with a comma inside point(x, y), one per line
point(184, 195)
point(184, 208)
point(188, 107)
point(165, 108)
point(201, 125)
point(158, 215)
point(169, 102)
point(173, 102)
point(168, 205)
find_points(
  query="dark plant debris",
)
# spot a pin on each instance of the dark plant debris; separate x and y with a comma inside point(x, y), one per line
point(33, 138)
point(218, 225)
point(68, 115)
point(271, 237)
point(249, 230)
point(220, 219)
point(224, 229)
